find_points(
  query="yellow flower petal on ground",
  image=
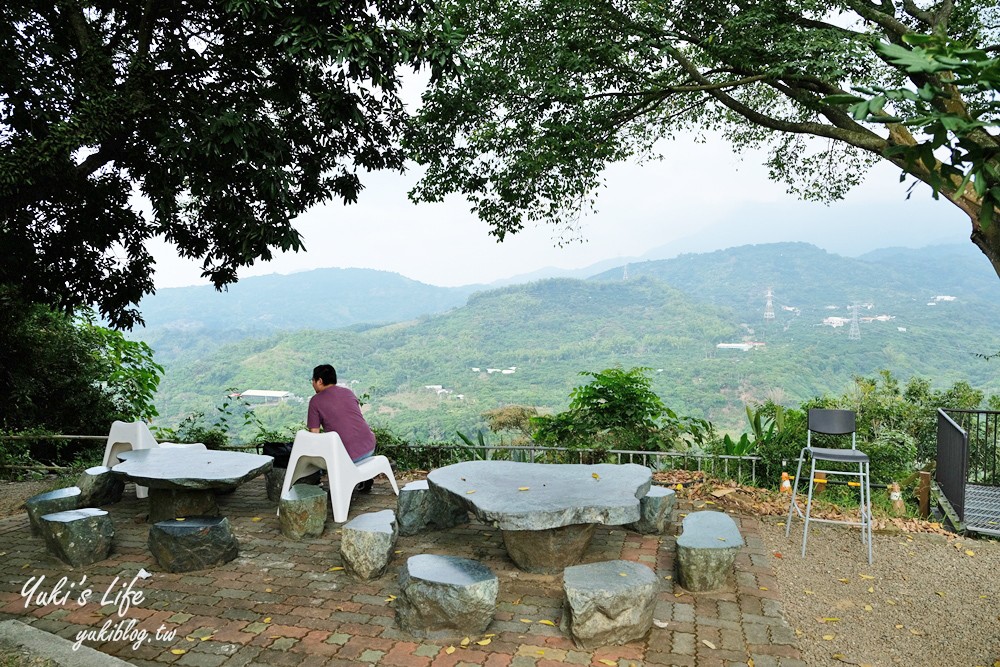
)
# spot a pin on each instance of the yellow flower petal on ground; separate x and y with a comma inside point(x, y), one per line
point(450, 650)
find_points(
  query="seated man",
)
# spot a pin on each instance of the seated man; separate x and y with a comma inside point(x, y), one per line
point(335, 408)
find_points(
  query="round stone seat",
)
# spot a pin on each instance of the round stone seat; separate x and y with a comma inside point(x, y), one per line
point(611, 602)
point(445, 597)
point(303, 511)
point(50, 502)
point(192, 543)
point(78, 537)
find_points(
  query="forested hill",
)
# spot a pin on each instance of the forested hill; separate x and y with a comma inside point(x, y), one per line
point(924, 313)
point(318, 299)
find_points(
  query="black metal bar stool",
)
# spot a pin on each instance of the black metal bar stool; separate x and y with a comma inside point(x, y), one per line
point(833, 422)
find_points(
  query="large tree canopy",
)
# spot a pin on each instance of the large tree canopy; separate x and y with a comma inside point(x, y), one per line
point(229, 117)
point(552, 91)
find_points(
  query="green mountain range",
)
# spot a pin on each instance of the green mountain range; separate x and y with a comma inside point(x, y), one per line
point(922, 312)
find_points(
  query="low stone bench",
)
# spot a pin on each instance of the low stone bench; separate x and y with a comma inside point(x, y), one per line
point(99, 486)
point(78, 537)
point(275, 478)
point(418, 509)
point(302, 511)
point(608, 603)
point(50, 502)
point(445, 597)
point(366, 543)
point(706, 549)
point(655, 508)
point(192, 543)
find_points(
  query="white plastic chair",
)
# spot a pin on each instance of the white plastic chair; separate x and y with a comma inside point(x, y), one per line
point(326, 451)
point(126, 436)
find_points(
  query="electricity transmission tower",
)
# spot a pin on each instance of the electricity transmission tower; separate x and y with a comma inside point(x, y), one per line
point(769, 306)
point(855, 332)
point(625, 273)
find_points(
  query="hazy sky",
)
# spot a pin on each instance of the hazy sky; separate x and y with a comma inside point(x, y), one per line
point(701, 191)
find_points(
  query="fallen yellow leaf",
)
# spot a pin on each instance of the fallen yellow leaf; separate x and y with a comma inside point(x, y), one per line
point(866, 576)
point(871, 589)
point(763, 588)
point(178, 651)
point(390, 598)
point(484, 642)
point(546, 621)
point(829, 638)
point(708, 643)
point(178, 518)
point(450, 650)
point(595, 475)
point(267, 590)
point(890, 602)
point(527, 620)
point(471, 491)
point(940, 593)
point(918, 633)
point(899, 626)
point(256, 518)
point(605, 661)
point(809, 592)
point(845, 580)
point(464, 642)
point(970, 552)
point(267, 620)
point(622, 574)
point(335, 568)
point(830, 619)
point(868, 607)
point(522, 488)
point(679, 487)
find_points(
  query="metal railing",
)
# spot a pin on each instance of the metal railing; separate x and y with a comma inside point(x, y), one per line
point(419, 456)
point(982, 429)
point(951, 471)
point(717, 465)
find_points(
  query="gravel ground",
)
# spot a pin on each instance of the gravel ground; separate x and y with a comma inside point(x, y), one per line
point(926, 600)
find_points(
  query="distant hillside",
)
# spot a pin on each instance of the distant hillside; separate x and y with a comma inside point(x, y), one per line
point(427, 378)
point(319, 299)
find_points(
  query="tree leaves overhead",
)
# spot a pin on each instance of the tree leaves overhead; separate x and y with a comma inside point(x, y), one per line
point(553, 91)
point(230, 118)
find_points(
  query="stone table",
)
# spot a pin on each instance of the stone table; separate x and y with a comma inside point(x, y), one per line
point(547, 513)
point(183, 482)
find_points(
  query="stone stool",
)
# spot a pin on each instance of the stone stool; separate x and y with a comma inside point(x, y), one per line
point(50, 502)
point(78, 537)
point(366, 543)
point(417, 509)
point(655, 508)
point(445, 597)
point(192, 543)
point(706, 549)
point(100, 486)
point(608, 603)
point(302, 511)
point(275, 479)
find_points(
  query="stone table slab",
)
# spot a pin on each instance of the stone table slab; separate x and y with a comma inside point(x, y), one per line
point(183, 482)
point(547, 512)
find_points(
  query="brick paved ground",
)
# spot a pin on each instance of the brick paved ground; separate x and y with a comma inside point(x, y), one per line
point(286, 603)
